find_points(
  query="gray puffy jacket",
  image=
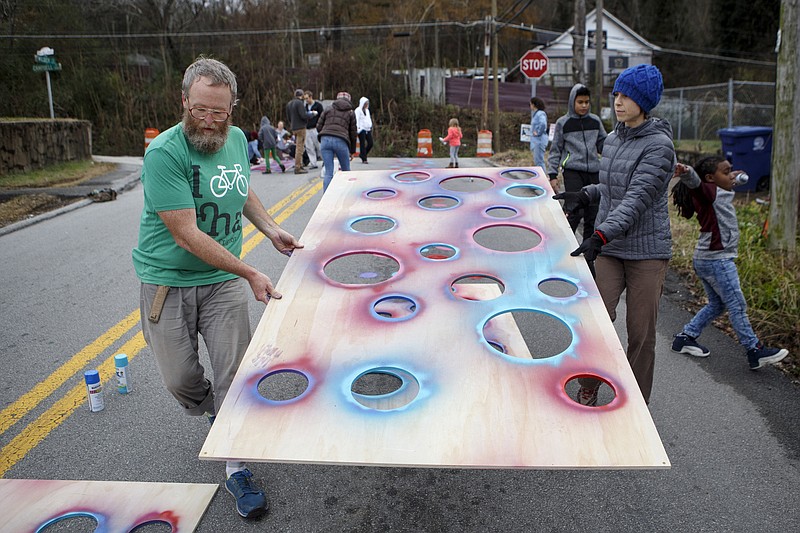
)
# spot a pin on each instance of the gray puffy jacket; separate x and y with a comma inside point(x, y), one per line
point(635, 172)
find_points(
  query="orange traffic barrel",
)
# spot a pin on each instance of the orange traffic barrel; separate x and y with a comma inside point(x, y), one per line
point(424, 144)
point(149, 135)
point(484, 143)
point(358, 147)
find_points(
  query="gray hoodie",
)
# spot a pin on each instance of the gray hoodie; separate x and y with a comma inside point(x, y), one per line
point(577, 140)
point(267, 134)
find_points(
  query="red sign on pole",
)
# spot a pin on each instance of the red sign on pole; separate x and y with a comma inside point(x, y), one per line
point(533, 64)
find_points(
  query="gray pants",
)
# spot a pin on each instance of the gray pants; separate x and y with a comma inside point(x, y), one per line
point(312, 146)
point(219, 313)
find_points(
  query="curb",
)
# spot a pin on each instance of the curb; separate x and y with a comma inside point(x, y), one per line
point(121, 185)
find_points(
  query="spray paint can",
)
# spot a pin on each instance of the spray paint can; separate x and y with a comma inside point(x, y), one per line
point(94, 390)
point(123, 373)
point(742, 178)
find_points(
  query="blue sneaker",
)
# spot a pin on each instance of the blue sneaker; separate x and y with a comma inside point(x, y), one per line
point(683, 343)
point(761, 355)
point(250, 501)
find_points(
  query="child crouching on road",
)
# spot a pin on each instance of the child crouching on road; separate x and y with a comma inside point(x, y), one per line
point(711, 197)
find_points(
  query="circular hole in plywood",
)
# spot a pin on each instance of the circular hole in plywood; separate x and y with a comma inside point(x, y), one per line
point(380, 194)
point(372, 224)
point(395, 308)
point(70, 523)
point(411, 176)
point(438, 202)
point(501, 211)
point(153, 526)
point(519, 174)
point(477, 287)
point(528, 334)
point(361, 268)
point(283, 385)
point(525, 191)
point(385, 388)
point(438, 252)
point(466, 184)
point(507, 238)
point(558, 288)
point(606, 392)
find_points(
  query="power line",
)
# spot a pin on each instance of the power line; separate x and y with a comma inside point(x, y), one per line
point(356, 28)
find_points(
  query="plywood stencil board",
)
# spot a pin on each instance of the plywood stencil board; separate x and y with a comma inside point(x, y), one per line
point(436, 318)
point(33, 504)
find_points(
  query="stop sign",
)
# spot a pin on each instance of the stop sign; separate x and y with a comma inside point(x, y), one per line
point(533, 64)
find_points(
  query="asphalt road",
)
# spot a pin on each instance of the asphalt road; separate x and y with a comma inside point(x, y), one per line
point(68, 300)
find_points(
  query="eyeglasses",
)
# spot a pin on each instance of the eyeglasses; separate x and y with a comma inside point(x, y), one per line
point(200, 113)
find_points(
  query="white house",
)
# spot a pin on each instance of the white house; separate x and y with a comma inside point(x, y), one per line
point(623, 48)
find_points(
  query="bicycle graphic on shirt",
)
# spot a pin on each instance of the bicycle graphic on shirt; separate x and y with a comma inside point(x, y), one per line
point(227, 179)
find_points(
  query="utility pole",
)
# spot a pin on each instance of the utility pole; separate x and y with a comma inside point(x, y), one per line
point(785, 173)
point(485, 96)
point(495, 82)
point(578, 37)
point(599, 44)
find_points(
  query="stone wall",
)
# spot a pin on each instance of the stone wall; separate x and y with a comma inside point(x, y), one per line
point(33, 144)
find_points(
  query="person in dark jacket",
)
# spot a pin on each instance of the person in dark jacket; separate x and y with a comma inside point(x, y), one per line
point(313, 109)
point(267, 136)
point(576, 148)
point(337, 133)
point(297, 116)
point(632, 240)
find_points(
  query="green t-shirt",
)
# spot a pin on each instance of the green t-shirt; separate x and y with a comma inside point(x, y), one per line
point(176, 176)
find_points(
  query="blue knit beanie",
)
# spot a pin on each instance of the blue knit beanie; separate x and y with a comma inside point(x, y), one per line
point(642, 84)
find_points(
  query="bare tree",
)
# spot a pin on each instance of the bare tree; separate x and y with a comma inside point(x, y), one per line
point(785, 182)
point(578, 38)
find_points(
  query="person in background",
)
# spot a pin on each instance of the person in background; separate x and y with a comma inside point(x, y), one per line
point(268, 138)
point(364, 126)
point(576, 148)
point(280, 131)
point(453, 139)
point(337, 134)
point(314, 110)
point(539, 138)
point(296, 115)
point(193, 283)
point(632, 241)
point(711, 197)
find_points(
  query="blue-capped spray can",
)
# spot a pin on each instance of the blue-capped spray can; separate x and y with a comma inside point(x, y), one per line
point(94, 390)
point(123, 373)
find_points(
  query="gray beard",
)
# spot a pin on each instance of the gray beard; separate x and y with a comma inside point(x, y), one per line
point(203, 142)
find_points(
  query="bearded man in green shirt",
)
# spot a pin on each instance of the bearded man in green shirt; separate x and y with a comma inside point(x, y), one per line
point(196, 180)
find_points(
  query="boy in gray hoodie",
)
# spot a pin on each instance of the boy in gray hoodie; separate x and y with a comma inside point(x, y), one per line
point(576, 148)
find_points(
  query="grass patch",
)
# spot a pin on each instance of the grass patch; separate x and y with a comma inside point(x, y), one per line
point(60, 175)
point(703, 147)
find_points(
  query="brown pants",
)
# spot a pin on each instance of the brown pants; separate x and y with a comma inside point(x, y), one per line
point(643, 280)
point(300, 143)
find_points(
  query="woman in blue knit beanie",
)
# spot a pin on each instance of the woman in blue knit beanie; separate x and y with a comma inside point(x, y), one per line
point(632, 242)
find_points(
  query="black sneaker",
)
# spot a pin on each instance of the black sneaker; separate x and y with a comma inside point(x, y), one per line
point(683, 343)
point(586, 396)
point(762, 355)
point(250, 501)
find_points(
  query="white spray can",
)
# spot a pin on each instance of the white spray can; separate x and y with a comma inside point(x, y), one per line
point(94, 390)
point(123, 373)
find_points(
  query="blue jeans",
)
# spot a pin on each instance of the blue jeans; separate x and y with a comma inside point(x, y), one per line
point(330, 146)
point(721, 282)
point(537, 150)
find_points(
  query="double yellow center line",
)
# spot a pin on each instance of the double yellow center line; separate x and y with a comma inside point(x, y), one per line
point(37, 431)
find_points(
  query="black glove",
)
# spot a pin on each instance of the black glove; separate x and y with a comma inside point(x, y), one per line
point(552, 176)
point(574, 203)
point(590, 248)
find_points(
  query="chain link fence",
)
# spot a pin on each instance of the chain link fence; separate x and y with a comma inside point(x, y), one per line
point(698, 112)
